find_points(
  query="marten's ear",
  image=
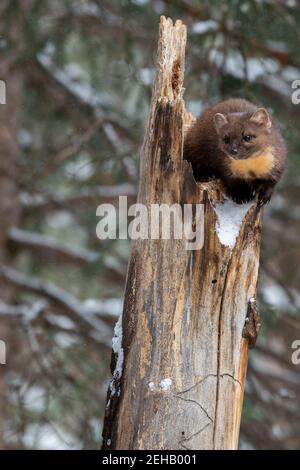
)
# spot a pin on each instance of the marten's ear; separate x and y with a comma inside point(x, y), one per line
point(219, 121)
point(262, 118)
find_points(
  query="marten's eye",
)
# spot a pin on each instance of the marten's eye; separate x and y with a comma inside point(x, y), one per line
point(226, 139)
point(248, 137)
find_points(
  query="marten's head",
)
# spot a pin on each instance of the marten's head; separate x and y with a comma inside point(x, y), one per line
point(243, 135)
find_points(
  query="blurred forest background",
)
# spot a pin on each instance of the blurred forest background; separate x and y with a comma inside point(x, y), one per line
point(78, 77)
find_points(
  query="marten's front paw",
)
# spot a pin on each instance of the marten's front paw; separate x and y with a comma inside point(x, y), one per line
point(264, 196)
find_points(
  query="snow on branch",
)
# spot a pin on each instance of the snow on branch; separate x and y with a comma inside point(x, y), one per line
point(81, 102)
point(85, 316)
point(26, 312)
point(80, 200)
point(50, 247)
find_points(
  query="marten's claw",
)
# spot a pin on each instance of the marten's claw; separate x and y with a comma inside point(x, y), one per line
point(264, 197)
point(263, 200)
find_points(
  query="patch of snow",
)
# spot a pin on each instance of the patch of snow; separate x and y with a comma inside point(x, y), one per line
point(255, 67)
point(35, 399)
point(151, 386)
point(49, 49)
point(119, 352)
point(32, 199)
point(75, 71)
point(48, 437)
point(112, 307)
point(81, 169)
point(96, 426)
point(202, 27)
point(290, 73)
point(291, 3)
point(278, 298)
point(3, 43)
point(140, 2)
point(279, 85)
point(33, 238)
point(244, 8)
point(87, 8)
point(59, 219)
point(113, 263)
point(146, 75)
point(65, 340)
point(245, 445)
point(278, 46)
point(130, 167)
point(29, 312)
point(61, 321)
point(112, 134)
point(235, 65)
point(196, 107)
point(230, 217)
point(166, 384)
point(279, 431)
point(158, 6)
point(286, 393)
point(25, 138)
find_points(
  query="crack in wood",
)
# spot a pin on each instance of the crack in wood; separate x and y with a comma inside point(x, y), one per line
point(199, 382)
point(196, 403)
point(226, 374)
point(202, 380)
point(192, 436)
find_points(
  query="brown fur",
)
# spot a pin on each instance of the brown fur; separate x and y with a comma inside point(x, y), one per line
point(216, 147)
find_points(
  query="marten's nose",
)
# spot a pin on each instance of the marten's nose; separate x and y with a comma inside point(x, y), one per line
point(234, 150)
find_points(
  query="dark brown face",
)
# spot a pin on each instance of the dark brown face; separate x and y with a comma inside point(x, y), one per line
point(240, 135)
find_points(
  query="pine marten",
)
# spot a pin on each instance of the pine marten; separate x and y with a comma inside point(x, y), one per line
point(241, 144)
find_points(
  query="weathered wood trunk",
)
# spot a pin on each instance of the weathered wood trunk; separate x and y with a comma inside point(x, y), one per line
point(180, 358)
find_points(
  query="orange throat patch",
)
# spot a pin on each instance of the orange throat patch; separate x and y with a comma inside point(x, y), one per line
point(257, 166)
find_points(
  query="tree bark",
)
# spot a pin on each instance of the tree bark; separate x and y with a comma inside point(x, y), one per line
point(180, 349)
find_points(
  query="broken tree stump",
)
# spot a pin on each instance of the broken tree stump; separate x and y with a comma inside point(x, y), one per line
point(180, 349)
